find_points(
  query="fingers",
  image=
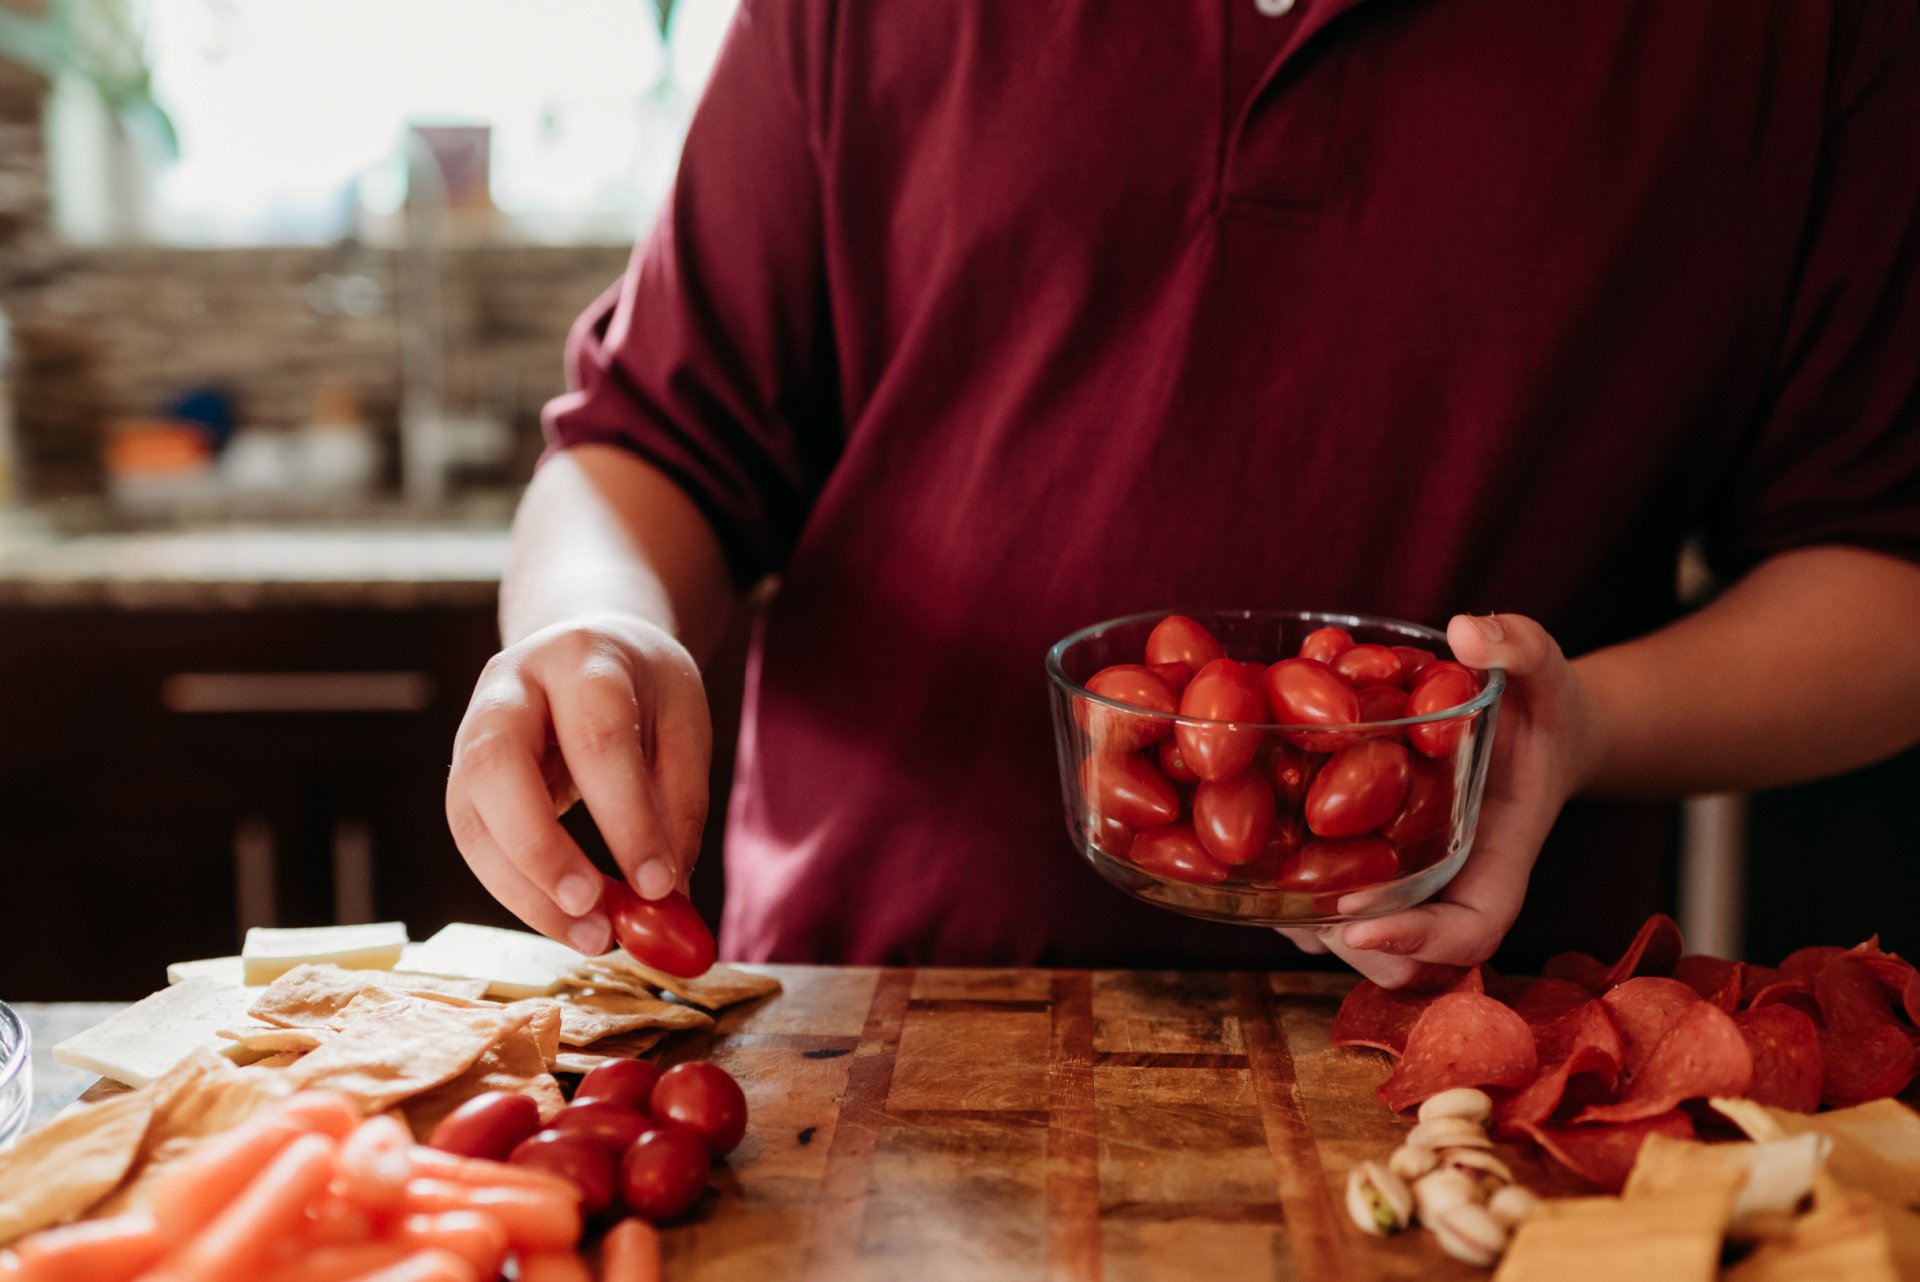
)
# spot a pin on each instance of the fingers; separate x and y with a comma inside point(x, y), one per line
point(591, 934)
point(1510, 641)
point(681, 765)
point(1307, 941)
point(1384, 969)
point(596, 721)
point(497, 773)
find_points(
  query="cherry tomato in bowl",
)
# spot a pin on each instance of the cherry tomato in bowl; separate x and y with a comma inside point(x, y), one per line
point(1178, 639)
point(1327, 865)
point(1116, 731)
point(1223, 691)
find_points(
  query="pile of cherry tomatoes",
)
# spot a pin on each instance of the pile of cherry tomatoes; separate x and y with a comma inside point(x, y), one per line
point(1298, 809)
point(632, 1137)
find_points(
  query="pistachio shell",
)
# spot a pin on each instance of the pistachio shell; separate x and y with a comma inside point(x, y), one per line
point(1513, 1204)
point(1478, 1163)
point(1449, 1132)
point(1439, 1191)
point(1410, 1161)
point(1461, 1101)
point(1378, 1201)
point(1470, 1234)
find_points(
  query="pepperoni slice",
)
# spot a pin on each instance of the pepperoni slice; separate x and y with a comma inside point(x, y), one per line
point(1541, 1001)
point(1804, 963)
point(1789, 992)
point(1584, 969)
point(1382, 1017)
point(1787, 1065)
point(1643, 1010)
point(1581, 1042)
point(1715, 978)
point(1603, 1155)
point(1754, 978)
point(1702, 1054)
point(1851, 995)
point(1866, 1063)
point(1461, 1039)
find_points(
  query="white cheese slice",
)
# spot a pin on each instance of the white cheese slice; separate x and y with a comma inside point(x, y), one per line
point(226, 970)
point(148, 1038)
point(271, 953)
point(515, 963)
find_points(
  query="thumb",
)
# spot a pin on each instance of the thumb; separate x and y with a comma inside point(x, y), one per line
point(1510, 641)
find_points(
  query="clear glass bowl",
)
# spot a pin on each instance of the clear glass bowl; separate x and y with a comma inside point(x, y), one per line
point(16, 1075)
point(1270, 890)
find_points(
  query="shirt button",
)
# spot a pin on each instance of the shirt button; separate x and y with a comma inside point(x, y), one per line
point(1274, 8)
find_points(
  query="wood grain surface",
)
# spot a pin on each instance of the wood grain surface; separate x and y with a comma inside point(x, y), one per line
point(1063, 1125)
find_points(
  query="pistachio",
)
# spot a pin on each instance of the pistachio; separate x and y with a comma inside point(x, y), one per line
point(1470, 1234)
point(1479, 1164)
point(1449, 1132)
point(1462, 1102)
point(1410, 1161)
point(1439, 1191)
point(1378, 1200)
point(1513, 1204)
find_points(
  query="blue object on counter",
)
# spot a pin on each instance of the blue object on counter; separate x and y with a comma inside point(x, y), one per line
point(211, 408)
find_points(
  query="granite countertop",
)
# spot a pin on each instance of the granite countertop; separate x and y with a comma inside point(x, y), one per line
point(81, 556)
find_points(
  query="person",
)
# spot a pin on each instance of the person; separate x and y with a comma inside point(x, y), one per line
point(978, 322)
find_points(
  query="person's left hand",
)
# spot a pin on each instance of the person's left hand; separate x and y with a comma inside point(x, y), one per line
point(1544, 744)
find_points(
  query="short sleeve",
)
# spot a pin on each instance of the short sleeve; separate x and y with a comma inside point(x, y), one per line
point(1835, 457)
point(712, 359)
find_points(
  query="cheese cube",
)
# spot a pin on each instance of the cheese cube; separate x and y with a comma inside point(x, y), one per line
point(271, 953)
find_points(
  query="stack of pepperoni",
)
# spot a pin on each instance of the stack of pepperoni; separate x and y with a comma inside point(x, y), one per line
point(1589, 1059)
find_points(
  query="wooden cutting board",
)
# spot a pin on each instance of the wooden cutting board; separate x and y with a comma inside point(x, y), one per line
point(1012, 1124)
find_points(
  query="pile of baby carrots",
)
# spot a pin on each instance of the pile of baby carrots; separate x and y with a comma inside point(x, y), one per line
point(309, 1192)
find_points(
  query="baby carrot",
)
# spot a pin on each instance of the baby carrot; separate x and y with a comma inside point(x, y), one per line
point(96, 1251)
point(630, 1252)
point(478, 1172)
point(553, 1266)
point(328, 1112)
point(424, 1266)
point(235, 1243)
point(210, 1177)
point(375, 1164)
point(339, 1263)
point(474, 1236)
point(535, 1220)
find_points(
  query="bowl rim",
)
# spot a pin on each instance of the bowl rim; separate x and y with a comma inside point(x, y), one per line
point(1056, 672)
point(13, 1060)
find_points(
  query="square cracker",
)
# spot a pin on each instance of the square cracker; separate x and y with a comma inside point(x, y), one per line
point(516, 1064)
point(589, 1014)
point(310, 996)
point(1675, 1238)
point(59, 1171)
point(722, 986)
point(390, 1048)
point(607, 1050)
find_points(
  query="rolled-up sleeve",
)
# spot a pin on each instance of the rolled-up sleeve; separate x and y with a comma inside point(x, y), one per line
point(1835, 457)
point(712, 358)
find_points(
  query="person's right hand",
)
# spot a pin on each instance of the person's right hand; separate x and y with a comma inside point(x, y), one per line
point(609, 710)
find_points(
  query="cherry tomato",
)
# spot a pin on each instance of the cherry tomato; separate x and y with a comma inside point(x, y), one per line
point(1368, 665)
point(1425, 854)
point(705, 1099)
point(1178, 639)
point(1289, 834)
point(1174, 851)
point(1117, 731)
point(1382, 703)
point(1306, 692)
point(666, 934)
point(1359, 789)
point(589, 1167)
point(1412, 660)
point(612, 1126)
point(1292, 772)
point(1325, 644)
point(626, 1082)
point(1175, 764)
point(1128, 789)
point(488, 1125)
point(1176, 675)
point(1444, 684)
point(1111, 835)
point(1234, 817)
point(1429, 805)
point(1339, 864)
point(664, 1173)
point(1222, 691)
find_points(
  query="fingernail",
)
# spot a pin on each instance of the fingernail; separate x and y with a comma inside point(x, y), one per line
point(1487, 626)
point(576, 895)
point(656, 879)
point(588, 935)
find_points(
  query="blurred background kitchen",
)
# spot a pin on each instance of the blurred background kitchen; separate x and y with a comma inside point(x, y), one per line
point(285, 285)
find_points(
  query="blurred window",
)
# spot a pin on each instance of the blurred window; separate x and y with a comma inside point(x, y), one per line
point(291, 114)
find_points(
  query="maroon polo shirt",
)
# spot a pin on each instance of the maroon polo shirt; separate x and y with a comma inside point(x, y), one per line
point(980, 320)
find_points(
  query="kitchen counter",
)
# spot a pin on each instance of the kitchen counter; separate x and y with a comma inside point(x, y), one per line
point(82, 556)
point(1112, 1125)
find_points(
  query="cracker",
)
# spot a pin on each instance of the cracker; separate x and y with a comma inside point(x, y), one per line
point(1843, 1238)
point(310, 996)
point(589, 1014)
point(606, 1051)
point(515, 1064)
point(266, 1041)
point(390, 1048)
point(59, 1171)
point(1675, 1238)
point(722, 986)
point(1876, 1146)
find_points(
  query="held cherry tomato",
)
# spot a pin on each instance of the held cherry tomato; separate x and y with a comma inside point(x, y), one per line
point(1128, 789)
point(705, 1099)
point(1368, 665)
point(1338, 864)
point(1175, 764)
point(589, 1167)
point(1117, 731)
point(1412, 660)
point(666, 934)
point(1234, 817)
point(664, 1173)
point(1359, 789)
point(1176, 675)
point(1428, 807)
point(1306, 692)
point(1292, 772)
point(1222, 691)
point(1443, 685)
point(1382, 703)
point(1178, 639)
point(612, 1126)
point(1174, 851)
point(1325, 644)
point(488, 1125)
point(626, 1082)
